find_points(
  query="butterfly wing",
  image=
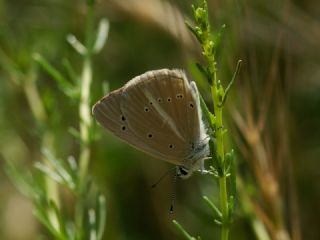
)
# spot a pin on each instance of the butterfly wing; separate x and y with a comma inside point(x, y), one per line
point(108, 113)
point(156, 112)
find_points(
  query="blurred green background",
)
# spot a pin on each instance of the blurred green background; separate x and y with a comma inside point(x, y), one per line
point(279, 43)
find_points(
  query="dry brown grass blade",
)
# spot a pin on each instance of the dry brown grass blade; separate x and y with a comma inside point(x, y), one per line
point(284, 156)
point(261, 128)
point(261, 159)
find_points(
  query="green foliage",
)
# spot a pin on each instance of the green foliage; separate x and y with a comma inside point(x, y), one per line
point(42, 185)
point(49, 211)
point(184, 232)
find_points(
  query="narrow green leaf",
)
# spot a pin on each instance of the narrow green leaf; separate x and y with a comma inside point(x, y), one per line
point(22, 179)
point(61, 222)
point(41, 213)
point(216, 211)
point(76, 44)
point(72, 164)
point(75, 133)
point(231, 82)
point(60, 169)
point(205, 72)
point(53, 72)
point(48, 172)
point(102, 212)
point(102, 35)
point(70, 71)
point(214, 171)
point(183, 231)
point(92, 224)
point(207, 115)
point(202, 69)
point(217, 38)
point(193, 31)
point(215, 161)
point(217, 222)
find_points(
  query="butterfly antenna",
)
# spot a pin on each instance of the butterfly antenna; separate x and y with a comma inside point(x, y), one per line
point(162, 177)
point(173, 196)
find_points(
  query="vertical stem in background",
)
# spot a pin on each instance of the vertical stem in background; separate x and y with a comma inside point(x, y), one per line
point(85, 117)
point(84, 107)
point(85, 123)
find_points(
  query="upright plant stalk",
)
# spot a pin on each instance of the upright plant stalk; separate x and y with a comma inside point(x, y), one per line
point(203, 34)
point(223, 163)
point(219, 131)
point(85, 113)
point(85, 83)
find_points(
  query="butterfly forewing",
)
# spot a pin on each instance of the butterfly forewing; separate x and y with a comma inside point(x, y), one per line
point(108, 113)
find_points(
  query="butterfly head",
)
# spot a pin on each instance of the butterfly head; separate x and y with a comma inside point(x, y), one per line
point(195, 160)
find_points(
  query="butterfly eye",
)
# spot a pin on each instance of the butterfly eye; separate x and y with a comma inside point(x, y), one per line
point(183, 171)
point(146, 109)
point(170, 146)
point(169, 99)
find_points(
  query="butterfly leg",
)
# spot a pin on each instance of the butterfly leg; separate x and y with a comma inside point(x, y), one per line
point(202, 168)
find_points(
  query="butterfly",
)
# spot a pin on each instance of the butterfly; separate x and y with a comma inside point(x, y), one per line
point(159, 113)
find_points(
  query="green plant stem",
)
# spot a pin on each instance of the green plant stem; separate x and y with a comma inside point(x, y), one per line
point(224, 207)
point(85, 117)
point(218, 107)
point(220, 151)
point(85, 123)
point(84, 107)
